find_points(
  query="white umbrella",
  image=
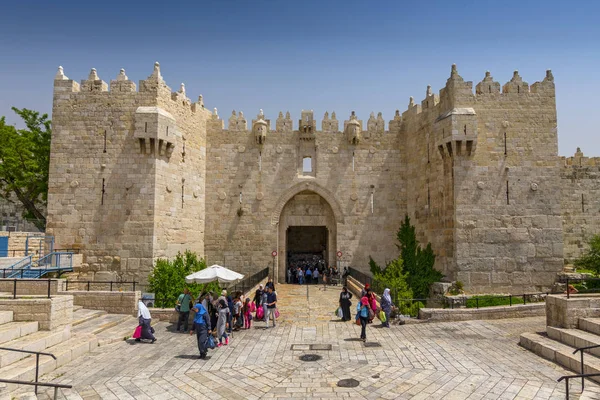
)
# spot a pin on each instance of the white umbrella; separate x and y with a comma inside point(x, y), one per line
point(214, 273)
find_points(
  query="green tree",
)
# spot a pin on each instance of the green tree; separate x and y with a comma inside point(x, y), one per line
point(168, 278)
point(24, 163)
point(591, 258)
point(394, 278)
point(418, 262)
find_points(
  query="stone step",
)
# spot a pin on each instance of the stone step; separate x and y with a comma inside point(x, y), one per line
point(590, 393)
point(77, 308)
point(124, 330)
point(82, 315)
point(575, 338)
point(6, 317)
point(15, 330)
point(591, 325)
point(560, 353)
point(101, 323)
point(38, 341)
point(65, 352)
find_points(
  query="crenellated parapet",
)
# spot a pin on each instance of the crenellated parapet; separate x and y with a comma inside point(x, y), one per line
point(284, 124)
point(330, 124)
point(152, 87)
point(516, 85)
point(353, 129)
point(375, 126)
point(396, 123)
point(487, 85)
point(579, 160)
point(237, 122)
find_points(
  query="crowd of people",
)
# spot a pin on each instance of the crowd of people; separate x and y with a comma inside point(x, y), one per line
point(216, 318)
point(307, 273)
point(366, 309)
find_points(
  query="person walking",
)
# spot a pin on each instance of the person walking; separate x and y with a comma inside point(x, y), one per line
point(308, 276)
point(263, 303)
point(222, 323)
point(316, 276)
point(258, 296)
point(271, 306)
point(184, 301)
point(362, 308)
point(145, 319)
point(237, 313)
point(386, 306)
point(201, 327)
point(270, 284)
point(345, 304)
point(248, 309)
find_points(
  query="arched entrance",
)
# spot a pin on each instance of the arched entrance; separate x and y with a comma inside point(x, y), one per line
point(307, 231)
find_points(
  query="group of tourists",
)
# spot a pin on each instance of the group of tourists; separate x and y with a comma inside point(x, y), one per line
point(306, 274)
point(366, 309)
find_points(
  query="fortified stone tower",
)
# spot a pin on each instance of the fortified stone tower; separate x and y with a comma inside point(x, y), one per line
point(127, 172)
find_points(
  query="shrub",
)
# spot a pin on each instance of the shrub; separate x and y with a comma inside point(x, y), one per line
point(167, 280)
point(590, 260)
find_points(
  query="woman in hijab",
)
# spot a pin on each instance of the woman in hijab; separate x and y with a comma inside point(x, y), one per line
point(202, 328)
point(386, 306)
point(258, 296)
point(345, 303)
point(144, 320)
point(362, 309)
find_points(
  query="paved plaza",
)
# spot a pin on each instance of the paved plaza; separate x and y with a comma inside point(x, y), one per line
point(453, 360)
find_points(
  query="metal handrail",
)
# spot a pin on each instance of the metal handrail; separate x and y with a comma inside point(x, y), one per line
point(111, 283)
point(37, 363)
point(582, 349)
point(582, 376)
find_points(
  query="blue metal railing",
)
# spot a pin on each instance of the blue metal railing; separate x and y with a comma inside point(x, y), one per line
point(54, 262)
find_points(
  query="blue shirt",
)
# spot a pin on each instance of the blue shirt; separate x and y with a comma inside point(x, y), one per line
point(199, 317)
point(271, 297)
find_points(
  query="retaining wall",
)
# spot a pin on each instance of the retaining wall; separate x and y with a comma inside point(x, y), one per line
point(466, 314)
point(50, 313)
point(565, 313)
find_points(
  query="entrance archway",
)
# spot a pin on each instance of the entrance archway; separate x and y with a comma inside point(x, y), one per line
point(307, 231)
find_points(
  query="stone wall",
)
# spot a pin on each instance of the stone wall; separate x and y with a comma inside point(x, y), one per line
point(580, 205)
point(565, 313)
point(32, 287)
point(17, 243)
point(468, 314)
point(111, 302)
point(49, 313)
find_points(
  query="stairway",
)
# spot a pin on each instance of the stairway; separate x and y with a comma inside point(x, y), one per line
point(558, 345)
point(89, 329)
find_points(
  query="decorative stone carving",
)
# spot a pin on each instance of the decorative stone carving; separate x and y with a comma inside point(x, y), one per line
point(279, 150)
point(534, 186)
point(241, 149)
point(353, 130)
point(354, 197)
point(74, 184)
point(334, 150)
point(260, 196)
point(260, 130)
point(222, 195)
point(480, 185)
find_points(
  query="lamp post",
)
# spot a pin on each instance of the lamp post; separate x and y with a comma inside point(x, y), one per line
point(274, 254)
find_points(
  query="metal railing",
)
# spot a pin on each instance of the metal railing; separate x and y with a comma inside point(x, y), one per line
point(582, 350)
point(16, 281)
point(37, 369)
point(56, 386)
point(582, 376)
point(360, 276)
point(91, 286)
point(248, 283)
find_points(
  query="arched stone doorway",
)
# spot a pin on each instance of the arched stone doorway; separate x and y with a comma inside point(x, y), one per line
point(307, 229)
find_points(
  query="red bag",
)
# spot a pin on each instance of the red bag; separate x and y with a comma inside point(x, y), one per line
point(276, 313)
point(260, 314)
point(138, 332)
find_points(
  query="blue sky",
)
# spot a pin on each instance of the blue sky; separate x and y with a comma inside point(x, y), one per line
point(326, 55)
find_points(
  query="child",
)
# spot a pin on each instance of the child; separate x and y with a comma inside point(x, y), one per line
point(248, 309)
point(237, 313)
point(222, 323)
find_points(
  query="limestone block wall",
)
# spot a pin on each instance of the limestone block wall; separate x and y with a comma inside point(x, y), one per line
point(17, 243)
point(33, 287)
point(264, 177)
point(113, 164)
point(111, 302)
point(580, 202)
point(50, 313)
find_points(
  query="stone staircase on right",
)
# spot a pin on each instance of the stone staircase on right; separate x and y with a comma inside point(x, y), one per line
point(572, 323)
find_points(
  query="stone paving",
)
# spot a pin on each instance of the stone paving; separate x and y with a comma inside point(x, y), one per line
point(463, 360)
